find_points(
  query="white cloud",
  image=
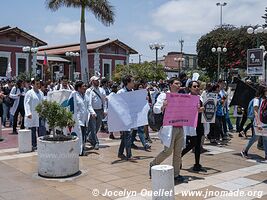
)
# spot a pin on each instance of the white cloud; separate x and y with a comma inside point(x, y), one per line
point(69, 28)
point(201, 16)
point(145, 35)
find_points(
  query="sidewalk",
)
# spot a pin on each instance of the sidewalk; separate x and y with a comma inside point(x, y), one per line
point(103, 172)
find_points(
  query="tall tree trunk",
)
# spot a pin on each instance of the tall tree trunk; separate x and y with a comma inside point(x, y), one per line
point(83, 49)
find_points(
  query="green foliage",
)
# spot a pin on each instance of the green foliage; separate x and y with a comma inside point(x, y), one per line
point(236, 40)
point(265, 17)
point(24, 76)
point(55, 114)
point(145, 71)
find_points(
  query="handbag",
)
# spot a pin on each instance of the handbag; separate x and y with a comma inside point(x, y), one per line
point(8, 101)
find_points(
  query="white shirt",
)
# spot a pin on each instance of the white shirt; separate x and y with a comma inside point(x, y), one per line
point(95, 101)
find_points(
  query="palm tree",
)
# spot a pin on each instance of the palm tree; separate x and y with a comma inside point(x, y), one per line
point(102, 10)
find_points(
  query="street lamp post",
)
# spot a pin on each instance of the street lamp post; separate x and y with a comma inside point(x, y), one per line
point(257, 31)
point(71, 55)
point(180, 62)
point(221, 6)
point(31, 50)
point(219, 50)
point(156, 46)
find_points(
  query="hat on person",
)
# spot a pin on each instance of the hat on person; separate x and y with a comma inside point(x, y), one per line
point(94, 78)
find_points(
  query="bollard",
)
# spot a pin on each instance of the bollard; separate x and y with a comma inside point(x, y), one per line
point(162, 182)
point(25, 140)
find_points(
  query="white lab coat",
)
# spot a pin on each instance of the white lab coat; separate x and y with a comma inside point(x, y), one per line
point(14, 95)
point(165, 133)
point(31, 100)
point(82, 109)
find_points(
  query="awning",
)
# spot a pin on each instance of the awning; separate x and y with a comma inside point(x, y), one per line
point(53, 58)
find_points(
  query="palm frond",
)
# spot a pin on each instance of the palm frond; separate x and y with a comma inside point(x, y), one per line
point(56, 4)
point(102, 10)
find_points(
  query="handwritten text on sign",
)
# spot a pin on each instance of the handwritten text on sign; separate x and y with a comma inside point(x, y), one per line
point(181, 110)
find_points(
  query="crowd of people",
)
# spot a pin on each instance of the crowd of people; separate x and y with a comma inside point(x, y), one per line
point(19, 99)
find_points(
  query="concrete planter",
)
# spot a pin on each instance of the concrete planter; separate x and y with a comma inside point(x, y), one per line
point(57, 158)
point(25, 140)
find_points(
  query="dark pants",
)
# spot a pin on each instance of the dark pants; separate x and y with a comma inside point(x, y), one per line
point(40, 133)
point(84, 133)
point(191, 142)
point(126, 141)
point(238, 119)
point(250, 125)
point(243, 121)
point(94, 126)
point(216, 129)
point(20, 110)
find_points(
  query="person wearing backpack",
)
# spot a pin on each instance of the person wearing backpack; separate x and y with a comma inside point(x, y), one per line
point(17, 93)
point(260, 121)
point(174, 136)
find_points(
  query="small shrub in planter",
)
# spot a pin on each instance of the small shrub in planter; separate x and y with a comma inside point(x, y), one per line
point(56, 116)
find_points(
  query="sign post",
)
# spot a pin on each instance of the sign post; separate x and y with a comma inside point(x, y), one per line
point(255, 64)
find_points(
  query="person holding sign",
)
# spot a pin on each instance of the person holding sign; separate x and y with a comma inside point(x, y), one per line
point(194, 135)
point(172, 137)
point(126, 136)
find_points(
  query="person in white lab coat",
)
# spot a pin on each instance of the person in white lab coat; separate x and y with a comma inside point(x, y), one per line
point(17, 93)
point(32, 120)
point(79, 105)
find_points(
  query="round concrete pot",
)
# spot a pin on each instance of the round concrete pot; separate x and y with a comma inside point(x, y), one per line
point(57, 159)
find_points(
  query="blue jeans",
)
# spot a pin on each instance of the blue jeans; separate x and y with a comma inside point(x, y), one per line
point(126, 141)
point(5, 113)
point(94, 126)
point(141, 134)
point(253, 139)
point(228, 121)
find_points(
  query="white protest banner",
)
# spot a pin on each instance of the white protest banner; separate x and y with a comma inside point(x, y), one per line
point(127, 110)
point(209, 104)
point(59, 96)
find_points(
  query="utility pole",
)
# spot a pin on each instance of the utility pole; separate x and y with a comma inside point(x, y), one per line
point(182, 44)
point(181, 41)
point(140, 58)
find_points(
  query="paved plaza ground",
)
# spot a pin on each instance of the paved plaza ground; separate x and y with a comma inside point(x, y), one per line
point(102, 171)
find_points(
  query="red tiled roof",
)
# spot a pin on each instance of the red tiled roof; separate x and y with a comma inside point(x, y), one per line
point(57, 50)
point(7, 29)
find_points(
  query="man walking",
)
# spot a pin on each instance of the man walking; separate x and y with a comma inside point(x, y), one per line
point(126, 136)
point(98, 109)
point(174, 134)
point(32, 120)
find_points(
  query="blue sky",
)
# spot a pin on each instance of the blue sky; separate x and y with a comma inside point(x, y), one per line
point(137, 23)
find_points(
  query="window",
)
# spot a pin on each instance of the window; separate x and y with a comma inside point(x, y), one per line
point(195, 62)
point(21, 65)
point(186, 61)
point(3, 66)
point(106, 71)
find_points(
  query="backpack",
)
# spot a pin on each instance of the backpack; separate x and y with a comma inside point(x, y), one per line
point(263, 112)
point(8, 100)
point(251, 110)
point(155, 121)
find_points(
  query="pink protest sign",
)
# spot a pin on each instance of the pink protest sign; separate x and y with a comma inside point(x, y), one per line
point(181, 110)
